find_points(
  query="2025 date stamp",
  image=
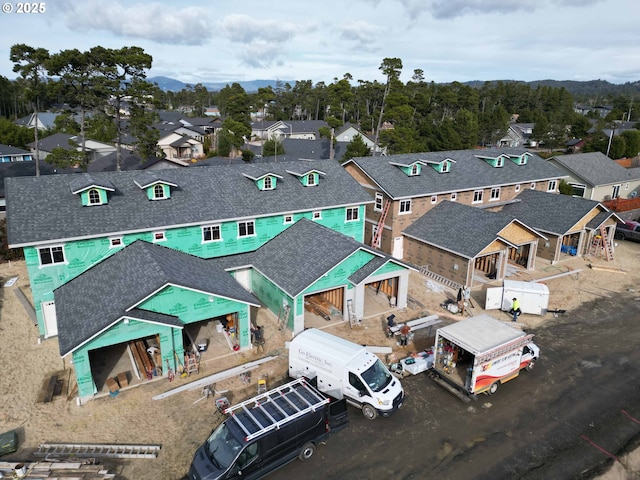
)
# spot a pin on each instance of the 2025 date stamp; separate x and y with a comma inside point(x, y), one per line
point(25, 8)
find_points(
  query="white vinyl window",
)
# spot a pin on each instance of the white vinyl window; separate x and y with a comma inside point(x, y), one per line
point(377, 206)
point(158, 192)
point(533, 185)
point(454, 196)
point(352, 214)
point(317, 215)
point(51, 255)
point(552, 186)
point(246, 229)
point(477, 196)
point(159, 237)
point(94, 197)
point(211, 233)
point(434, 199)
point(495, 194)
point(288, 219)
point(115, 242)
point(517, 188)
point(405, 207)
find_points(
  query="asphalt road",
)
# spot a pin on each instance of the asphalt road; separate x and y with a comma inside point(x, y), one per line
point(563, 420)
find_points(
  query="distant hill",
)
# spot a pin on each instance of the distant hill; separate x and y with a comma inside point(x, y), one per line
point(579, 90)
point(173, 85)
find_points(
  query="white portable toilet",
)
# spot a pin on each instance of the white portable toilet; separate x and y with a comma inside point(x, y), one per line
point(533, 297)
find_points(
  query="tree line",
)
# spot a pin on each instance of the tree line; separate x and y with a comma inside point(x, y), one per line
point(403, 117)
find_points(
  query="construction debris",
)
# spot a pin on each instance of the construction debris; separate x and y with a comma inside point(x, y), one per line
point(607, 269)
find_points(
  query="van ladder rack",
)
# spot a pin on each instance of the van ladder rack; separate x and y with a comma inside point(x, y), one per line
point(277, 407)
point(96, 450)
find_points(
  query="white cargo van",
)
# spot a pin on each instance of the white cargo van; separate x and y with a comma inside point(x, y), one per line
point(344, 369)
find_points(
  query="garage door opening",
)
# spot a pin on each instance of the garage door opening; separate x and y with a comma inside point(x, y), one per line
point(324, 308)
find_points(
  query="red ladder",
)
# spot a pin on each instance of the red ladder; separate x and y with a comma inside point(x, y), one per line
point(378, 233)
point(606, 244)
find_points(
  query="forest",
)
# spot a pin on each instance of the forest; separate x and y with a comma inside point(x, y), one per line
point(108, 91)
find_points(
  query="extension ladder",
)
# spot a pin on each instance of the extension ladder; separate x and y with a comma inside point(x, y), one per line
point(375, 242)
point(95, 450)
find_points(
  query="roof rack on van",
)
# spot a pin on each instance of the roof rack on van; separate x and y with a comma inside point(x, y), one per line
point(272, 409)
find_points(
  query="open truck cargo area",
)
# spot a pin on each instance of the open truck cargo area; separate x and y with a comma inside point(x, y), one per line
point(480, 353)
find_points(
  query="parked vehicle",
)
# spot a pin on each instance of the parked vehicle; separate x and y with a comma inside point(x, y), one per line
point(628, 230)
point(479, 354)
point(344, 369)
point(269, 431)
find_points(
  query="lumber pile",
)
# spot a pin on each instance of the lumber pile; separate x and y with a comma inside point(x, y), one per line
point(319, 306)
point(142, 359)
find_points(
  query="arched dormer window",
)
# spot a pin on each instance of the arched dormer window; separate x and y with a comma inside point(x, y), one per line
point(94, 197)
point(311, 179)
point(158, 191)
point(268, 183)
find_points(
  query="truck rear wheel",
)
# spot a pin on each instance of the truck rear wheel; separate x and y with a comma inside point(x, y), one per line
point(493, 388)
point(307, 451)
point(369, 412)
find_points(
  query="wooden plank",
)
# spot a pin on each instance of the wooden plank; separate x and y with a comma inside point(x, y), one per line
point(138, 361)
point(48, 396)
point(608, 269)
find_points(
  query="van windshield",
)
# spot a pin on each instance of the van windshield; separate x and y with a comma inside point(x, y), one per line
point(222, 447)
point(377, 376)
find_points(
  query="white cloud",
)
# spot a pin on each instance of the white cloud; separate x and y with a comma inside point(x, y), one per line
point(245, 29)
point(153, 21)
point(363, 33)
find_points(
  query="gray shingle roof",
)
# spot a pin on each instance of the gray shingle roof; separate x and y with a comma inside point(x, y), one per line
point(9, 150)
point(302, 254)
point(57, 140)
point(462, 229)
point(549, 212)
point(102, 295)
point(43, 209)
point(469, 172)
point(595, 168)
point(83, 181)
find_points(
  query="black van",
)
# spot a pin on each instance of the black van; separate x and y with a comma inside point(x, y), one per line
point(268, 431)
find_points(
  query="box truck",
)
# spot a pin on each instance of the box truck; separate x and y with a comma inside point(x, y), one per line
point(343, 369)
point(268, 431)
point(533, 297)
point(478, 354)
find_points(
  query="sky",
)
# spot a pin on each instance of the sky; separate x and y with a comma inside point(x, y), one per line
point(198, 41)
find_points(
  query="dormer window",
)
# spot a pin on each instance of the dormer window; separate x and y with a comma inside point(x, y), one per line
point(92, 191)
point(415, 169)
point(94, 197)
point(311, 179)
point(495, 162)
point(444, 167)
point(158, 192)
point(499, 162)
point(308, 178)
point(264, 181)
point(520, 159)
point(156, 185)
point(440, 166)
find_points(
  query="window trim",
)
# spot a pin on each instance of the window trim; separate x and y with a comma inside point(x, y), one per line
point(355, 215)
point(270, 181)
point(499, 162)
point(552, 186)
point(247, 224)
point(406, 211)
point(317, 215)
point(517, 188)
point(158, 187)
point(532, 186)
point(159, 236)
point(116, 242)
point(288, 219)
point(454, 196)
point(311, 180)
point(434, 199)
point(53, 261)
point(415, 170)
point(211, 227)
point(494, 194)
point(380, 197)
point(444, 168)
point(91, 203)
point(478, 196)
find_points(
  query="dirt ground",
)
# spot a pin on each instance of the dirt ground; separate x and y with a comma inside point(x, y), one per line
point(181, 422)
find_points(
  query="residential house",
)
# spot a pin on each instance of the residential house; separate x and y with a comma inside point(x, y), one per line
point(46, 120)
point(182, 147)
point(94, 148)
point(518, 135)
point(296, 149)
point(348, 132)
point(12, 154)
point(596, 177)
point(279, 130)
point(459, 243)
point(570, 224)
point(407, 186)
point(120, 256)
point(212, 111)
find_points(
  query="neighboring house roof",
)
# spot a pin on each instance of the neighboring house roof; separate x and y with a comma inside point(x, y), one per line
point(22, 169)
point(43, 209)
point(299, 149)
point(436, 226)
point(57, 140)
point(82, 314)
point(46, 120)
point(467, 173)
point(550, 212)
point(306, 243)
point(128, 161)
point(595, 168)
point(8, 150)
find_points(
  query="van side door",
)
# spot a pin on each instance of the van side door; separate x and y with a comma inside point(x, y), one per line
point(248, 463)
point(338, 415)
